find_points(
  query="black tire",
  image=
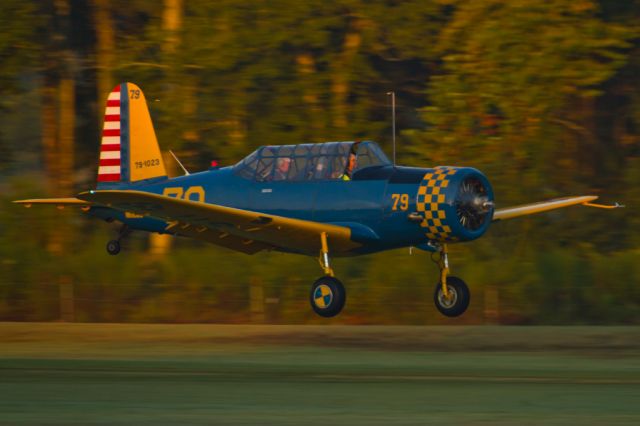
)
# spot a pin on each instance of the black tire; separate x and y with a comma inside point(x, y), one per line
point(113, 247)
point(327, 297)
point(459, 297)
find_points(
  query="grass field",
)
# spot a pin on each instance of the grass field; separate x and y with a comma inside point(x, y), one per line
point(307, 375)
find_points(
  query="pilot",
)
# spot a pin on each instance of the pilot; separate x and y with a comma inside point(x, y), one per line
point(352, 162)
point(282, 168)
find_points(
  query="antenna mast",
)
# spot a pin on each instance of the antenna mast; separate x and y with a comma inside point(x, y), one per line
point(393, 123)
point(186, 172)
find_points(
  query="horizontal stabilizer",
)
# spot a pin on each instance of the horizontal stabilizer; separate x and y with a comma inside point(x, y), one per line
point(543, 206)
point(59, 202)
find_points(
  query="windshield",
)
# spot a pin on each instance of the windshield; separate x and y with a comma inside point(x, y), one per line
point(304, 162)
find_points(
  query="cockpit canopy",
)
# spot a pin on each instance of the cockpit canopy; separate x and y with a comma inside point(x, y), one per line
point(310, 161)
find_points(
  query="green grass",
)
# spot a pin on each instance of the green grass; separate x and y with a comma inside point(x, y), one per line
point(207, 374)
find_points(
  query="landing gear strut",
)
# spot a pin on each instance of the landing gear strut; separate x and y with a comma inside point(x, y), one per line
point(328, 295)
point(451, 295)
point(113, 246)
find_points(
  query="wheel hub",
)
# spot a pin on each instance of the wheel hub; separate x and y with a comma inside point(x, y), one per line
point(447, 302)
point(323, 296)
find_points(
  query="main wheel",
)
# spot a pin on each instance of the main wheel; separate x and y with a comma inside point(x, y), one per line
point(458, 300)
point(113, 247)
point(327, 297)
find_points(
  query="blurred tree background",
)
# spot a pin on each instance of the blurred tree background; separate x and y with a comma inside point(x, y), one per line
point(542, 96)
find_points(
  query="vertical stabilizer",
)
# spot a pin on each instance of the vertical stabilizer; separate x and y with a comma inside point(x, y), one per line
point(129, 151)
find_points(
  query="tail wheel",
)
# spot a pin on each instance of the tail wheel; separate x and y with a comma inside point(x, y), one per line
point(327, 297)
point(458, 300)
point(113, 247)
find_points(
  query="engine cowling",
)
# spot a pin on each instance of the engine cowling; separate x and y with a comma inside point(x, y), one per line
point(456, 202)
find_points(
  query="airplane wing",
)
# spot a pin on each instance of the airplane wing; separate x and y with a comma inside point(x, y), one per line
point(250, 231)
point(543, 206)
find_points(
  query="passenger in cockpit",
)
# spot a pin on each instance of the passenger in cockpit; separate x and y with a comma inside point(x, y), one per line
point(282, 168)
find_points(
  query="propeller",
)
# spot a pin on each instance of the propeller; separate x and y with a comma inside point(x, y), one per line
point(472, 204)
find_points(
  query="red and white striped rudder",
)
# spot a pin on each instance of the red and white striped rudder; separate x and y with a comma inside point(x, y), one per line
point(109, 169)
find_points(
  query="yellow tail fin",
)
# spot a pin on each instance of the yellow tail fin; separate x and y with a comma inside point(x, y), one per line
point(129, 151)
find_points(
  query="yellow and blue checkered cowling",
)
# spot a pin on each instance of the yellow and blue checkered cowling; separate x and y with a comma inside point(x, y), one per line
point(438, 201)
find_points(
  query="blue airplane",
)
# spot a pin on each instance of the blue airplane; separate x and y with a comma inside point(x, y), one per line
point(334, 198)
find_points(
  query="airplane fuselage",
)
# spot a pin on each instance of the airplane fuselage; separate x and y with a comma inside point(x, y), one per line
point(375, 205)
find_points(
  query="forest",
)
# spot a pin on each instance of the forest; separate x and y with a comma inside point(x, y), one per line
point(543, 97)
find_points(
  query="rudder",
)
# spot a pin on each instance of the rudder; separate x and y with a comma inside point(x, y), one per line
point(129, 151)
